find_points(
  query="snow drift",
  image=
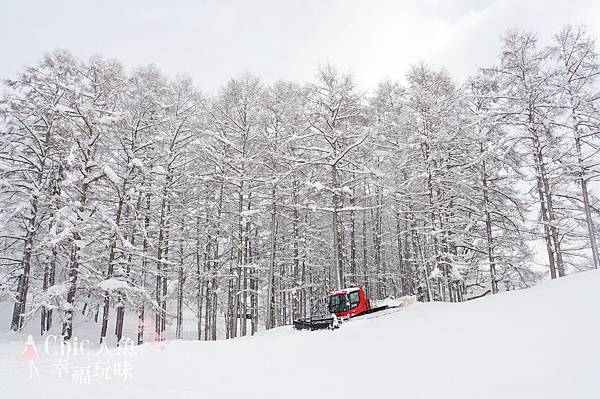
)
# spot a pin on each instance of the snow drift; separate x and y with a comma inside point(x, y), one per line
point(537, 343)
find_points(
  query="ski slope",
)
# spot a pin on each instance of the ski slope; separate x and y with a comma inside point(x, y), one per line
point(538, 343)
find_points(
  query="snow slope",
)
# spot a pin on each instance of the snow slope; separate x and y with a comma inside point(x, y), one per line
point(537, 343)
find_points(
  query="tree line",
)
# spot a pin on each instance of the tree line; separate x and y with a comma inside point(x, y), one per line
point(135, 194)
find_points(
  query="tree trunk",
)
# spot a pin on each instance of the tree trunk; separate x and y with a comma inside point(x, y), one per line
point(270, 322)
point(111, 260)
point(582, 177)
point(180, 284)
point(546, 211)
point(67, 330)
point(297, 300)
point(145, 246)
point(401, 266)
point(337, 244)
point(353, 280)
point(488, 225)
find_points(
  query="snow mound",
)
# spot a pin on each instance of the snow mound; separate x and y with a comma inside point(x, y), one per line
point(112, 284)
point(540, 343)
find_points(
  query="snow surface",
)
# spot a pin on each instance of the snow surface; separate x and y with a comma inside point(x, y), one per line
point(540, 343)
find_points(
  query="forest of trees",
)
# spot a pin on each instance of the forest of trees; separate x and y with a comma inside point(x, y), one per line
point(133, 195)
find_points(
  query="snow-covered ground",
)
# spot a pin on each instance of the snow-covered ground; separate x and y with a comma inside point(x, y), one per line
point(538, 343)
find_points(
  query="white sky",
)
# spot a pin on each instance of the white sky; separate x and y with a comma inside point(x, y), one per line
point(213, 41)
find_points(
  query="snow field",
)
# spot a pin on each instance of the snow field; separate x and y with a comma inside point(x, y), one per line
point(540, 343)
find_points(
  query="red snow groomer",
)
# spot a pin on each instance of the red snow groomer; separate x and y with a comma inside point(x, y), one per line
point(342, 304)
